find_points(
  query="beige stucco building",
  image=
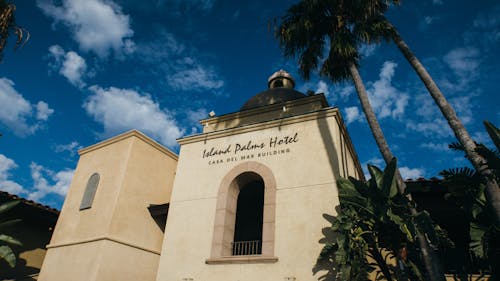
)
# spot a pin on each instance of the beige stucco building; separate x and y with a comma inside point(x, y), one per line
point(245, 197)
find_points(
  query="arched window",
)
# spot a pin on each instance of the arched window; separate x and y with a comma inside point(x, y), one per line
point(249, 214)
point(90, 190)
point(245, 215)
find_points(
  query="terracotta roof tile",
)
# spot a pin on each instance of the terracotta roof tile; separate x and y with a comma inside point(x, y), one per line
point(29, 202)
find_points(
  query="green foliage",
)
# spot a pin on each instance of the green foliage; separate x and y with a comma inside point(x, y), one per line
point(6, 252)
point(494, 133)
point(375, 231)
point(325, 35)
point(467, 190)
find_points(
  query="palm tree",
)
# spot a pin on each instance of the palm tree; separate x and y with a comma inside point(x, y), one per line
point(312, 28)
point(461, 133)
point(8, 25)
point(374, 26)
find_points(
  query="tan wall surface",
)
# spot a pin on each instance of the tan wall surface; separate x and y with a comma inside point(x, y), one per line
point(126, 263)
point(75, 225)
point(77, 262)
point(305, 178)
point(148, 180)
point(99, 261)
point(116, 239)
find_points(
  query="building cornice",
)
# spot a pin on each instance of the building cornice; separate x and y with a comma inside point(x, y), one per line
point(264, 109)
point(126, 135)
point(323, 113)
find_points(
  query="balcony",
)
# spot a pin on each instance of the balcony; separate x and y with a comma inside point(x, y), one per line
point(246, 248)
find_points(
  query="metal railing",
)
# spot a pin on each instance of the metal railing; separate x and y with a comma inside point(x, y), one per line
point(243, 248)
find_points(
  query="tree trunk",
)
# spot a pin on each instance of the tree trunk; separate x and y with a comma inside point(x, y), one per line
point(478, 162)
point(432, 264)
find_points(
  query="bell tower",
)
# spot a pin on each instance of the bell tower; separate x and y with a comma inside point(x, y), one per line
point(105, 230)
point(250, 191)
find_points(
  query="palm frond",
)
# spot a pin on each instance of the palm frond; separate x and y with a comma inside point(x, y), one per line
point(456, 146)
point(464, 172)
point(494, 133)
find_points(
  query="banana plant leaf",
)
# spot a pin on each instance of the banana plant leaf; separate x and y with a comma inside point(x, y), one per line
point(8, 255)
point(10, 240)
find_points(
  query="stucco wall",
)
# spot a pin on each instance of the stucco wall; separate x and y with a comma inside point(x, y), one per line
point(305, 176)
point(116, 239)
point(99, 261)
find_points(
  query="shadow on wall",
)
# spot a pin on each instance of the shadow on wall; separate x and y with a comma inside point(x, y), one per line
point(22, 272)
point(326, 266)
point(329, 144)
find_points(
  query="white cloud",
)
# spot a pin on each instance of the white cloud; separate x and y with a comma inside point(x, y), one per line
point(438, 147)
point(463, 107)
point(484, 32)
point(490, 20)
point(17, 113)
point(43, 111)
point(431, 121)
point(385, 99)
point(406, 172)
point(179, 64)
point(193, 76)
point(163, 48)
point(352, 114)
point(196, 115)
point(428, 19)
point(438, 128)
point(345, 91)
point(71, 147)
point(69, 64)
point(437, 2)
point(42, 186)
point(6, 184)
point(463, 61)
point(119, 110)
point(323, 88)
point(483, 137)
point(366, 50)
point(332, 91)
point(377, 162)
point(97, 25)
point(411, 173)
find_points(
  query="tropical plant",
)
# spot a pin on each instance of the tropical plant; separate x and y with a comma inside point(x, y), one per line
point(6, 252)
point(327, 34)
point(375, 231)
point(8, 25)
point(468, 191)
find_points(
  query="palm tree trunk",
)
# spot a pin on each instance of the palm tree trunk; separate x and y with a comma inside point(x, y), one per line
point(478, 162)
point(432, 264)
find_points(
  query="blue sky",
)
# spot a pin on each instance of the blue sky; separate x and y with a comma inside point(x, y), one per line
point(96, 68)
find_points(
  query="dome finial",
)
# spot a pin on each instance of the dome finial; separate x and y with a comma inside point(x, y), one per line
point(281, 79)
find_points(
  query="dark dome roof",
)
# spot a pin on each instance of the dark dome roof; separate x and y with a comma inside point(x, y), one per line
point(272, 96)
